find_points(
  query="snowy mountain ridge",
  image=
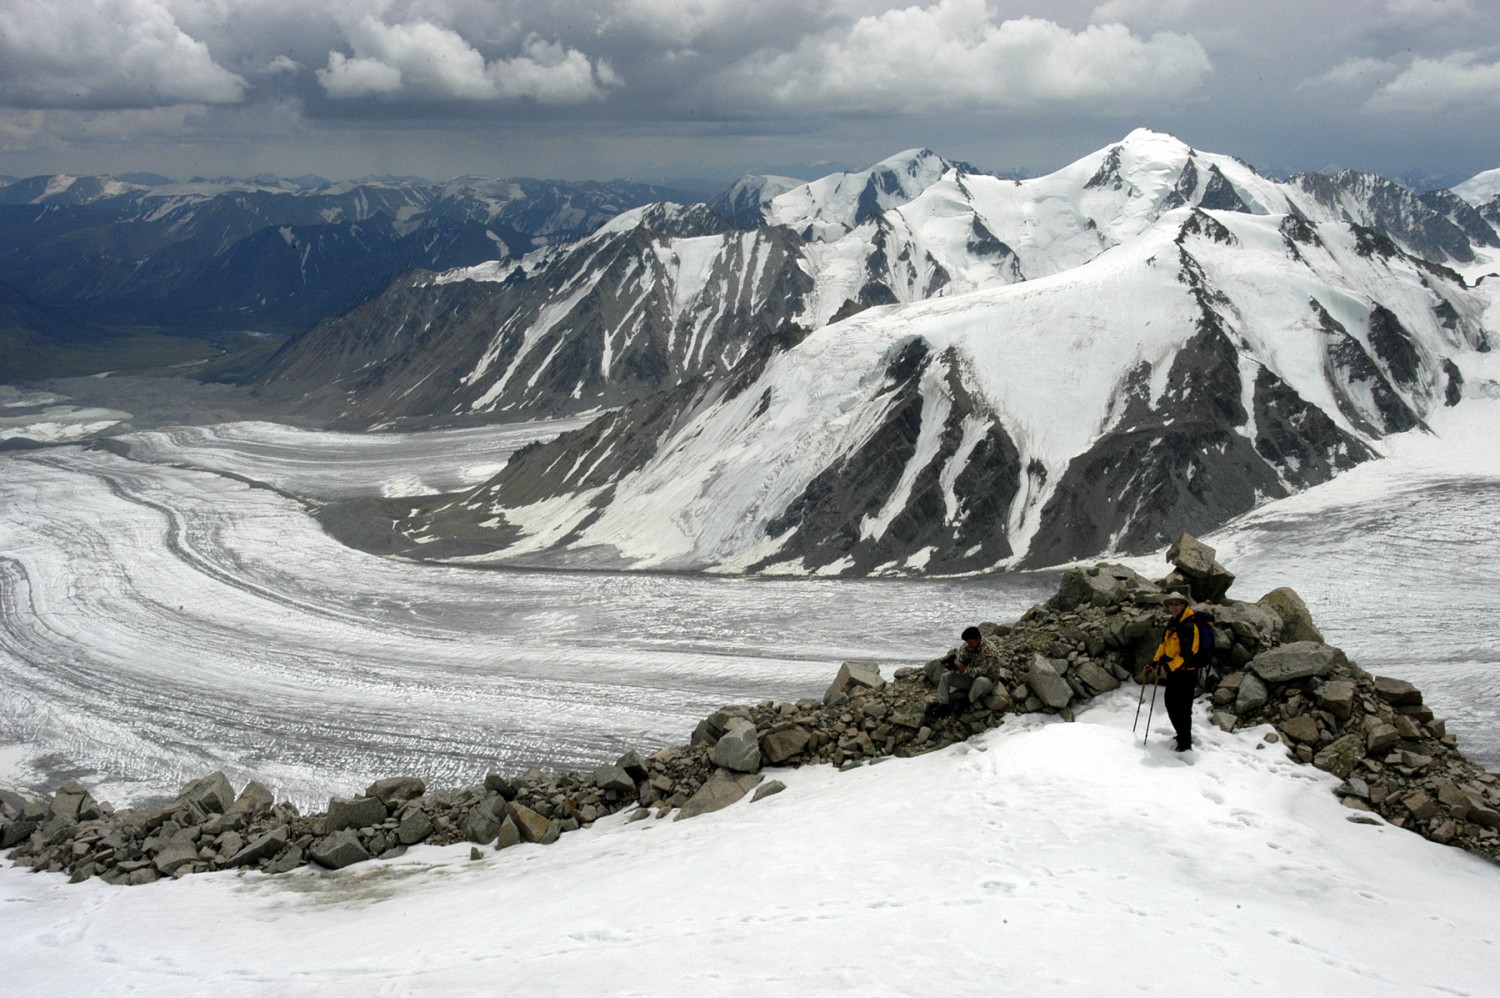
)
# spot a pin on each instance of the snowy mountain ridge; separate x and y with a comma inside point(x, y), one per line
point(1086, 411)
point(666, 292)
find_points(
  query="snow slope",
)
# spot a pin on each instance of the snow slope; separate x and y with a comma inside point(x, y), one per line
point(1480, 188)
point(1305, 342)
point(1042, 858)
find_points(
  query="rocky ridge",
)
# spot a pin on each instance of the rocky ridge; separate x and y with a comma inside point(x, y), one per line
point(1095, 634)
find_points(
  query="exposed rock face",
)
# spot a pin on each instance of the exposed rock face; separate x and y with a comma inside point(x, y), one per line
point(1395, 758)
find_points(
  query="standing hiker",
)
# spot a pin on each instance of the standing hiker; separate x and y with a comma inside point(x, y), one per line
point(967, 673)
point(1184, 650)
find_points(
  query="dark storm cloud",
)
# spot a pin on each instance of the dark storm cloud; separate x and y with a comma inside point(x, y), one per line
point(599, 87)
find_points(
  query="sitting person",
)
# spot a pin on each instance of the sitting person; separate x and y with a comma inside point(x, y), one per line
point(967, 673)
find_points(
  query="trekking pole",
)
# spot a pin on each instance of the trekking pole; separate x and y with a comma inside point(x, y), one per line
point(1138, 702)
point(1155, 681)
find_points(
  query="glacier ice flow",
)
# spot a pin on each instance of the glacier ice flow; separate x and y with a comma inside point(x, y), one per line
point(166, 616)
point(162, 620)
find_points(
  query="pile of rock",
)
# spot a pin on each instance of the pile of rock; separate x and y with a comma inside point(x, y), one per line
point(1395, 757)
point(1097, 632)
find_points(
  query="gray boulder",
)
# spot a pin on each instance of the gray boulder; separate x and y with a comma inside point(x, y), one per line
point(1296, 619)
point(1097, 679)
point(1207, 580)
point(255, 799)
point(339, 850)
point(738, 748)
point(1252, 695)
point(1341, 756)
point(212, 794)
point(396, 790)
point(1380, 736)
point(612, 777)
point(179, 851)
point(722, 789)
point(1298, 660)
point(1337, 697)
point(1048, 685)
point(767, 789)
point(414, 826)
point(73, 802)
point(779, 746)
point(532, 826)
point(264, 847)
point(356, 812)
point(1103, 584)
point(1253, 625)
point(480, 825)
point(1397, 692)
point(854, 676)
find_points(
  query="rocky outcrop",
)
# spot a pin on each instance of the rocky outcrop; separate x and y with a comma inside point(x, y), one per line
point(1099, 631)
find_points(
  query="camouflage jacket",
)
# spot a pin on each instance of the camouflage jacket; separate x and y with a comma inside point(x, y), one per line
point(981, 661)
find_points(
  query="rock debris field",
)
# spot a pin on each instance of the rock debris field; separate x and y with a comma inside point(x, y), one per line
point(1398, 763)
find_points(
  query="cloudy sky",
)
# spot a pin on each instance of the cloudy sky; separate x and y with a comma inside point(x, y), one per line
point(654, 89)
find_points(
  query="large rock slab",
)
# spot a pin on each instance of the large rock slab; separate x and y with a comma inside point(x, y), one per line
point(722, 789)
point(1296, 618)
point(779, 746)
point(211, 793)
point(339, 850)
point(1208, 580)
point(255, 799)
point(1298, 660)
point(263, 847)
point(1103, 584)
point(1341, 756)
point(179, 851)
point(1048, 685)
point(612, 777)
point(1096, 678)
point(396, 790)
point(738, 748)
point(355, 812)
point(1252, 695)
point(854, 676)
point(1397, 692)
point(531, 825)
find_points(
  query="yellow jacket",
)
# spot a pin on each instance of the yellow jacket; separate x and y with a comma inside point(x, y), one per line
point(1181, 646)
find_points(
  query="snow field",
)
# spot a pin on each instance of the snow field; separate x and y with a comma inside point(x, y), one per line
point(1040, 858)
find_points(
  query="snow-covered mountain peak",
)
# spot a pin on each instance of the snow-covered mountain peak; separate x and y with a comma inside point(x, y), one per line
point(1481, 188)
point(825, 209)
point(743, 201)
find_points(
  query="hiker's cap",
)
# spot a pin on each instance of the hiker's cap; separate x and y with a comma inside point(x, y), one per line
point(1175, 598)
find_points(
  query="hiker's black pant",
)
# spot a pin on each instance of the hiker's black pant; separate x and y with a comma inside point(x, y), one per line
point(1181, 685)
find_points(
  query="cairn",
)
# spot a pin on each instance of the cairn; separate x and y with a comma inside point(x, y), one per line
point(1096, 633)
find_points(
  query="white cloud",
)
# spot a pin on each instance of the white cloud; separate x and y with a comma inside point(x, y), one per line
point(106, 53)
point(955, 54)
point(1460, 81)
point(422, 60)
point(1359, 73)
point(281, 64)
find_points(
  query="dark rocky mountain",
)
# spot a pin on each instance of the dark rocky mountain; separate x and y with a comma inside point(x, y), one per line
point(664, 294)
point(269, 254)
point(1218, 359)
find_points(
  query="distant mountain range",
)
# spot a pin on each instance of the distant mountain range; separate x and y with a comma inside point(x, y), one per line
point(920, 368)
point(913, 368)
point(267, 253)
